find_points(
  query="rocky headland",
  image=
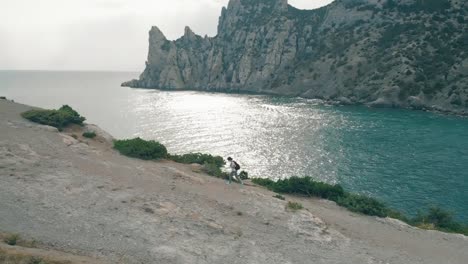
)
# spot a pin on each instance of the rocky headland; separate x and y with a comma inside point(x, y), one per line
point(382, 53)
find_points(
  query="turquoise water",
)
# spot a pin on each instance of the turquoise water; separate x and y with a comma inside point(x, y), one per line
point(409, 159)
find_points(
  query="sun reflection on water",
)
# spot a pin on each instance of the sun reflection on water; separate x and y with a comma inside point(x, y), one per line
point(261, 134)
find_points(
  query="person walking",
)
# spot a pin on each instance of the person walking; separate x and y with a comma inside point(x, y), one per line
point(234, 168)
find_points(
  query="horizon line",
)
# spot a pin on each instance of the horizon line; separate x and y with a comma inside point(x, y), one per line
point(68, 70)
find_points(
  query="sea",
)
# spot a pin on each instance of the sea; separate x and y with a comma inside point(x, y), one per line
point(411, 160)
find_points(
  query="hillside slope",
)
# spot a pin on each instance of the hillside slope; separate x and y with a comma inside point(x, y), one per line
point(391, 53)
point(80, 196)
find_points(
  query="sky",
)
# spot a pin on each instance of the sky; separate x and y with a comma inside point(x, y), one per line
point(99, 35)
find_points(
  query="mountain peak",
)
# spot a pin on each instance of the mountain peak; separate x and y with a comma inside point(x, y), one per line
point(156, 33)
point(188, 32)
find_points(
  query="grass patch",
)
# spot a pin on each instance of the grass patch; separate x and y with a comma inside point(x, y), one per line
point(279, 196)
point(89, 134)
point(435, 217)
point(60, 118)
point(11, 239)
point(294, 206)
point(16, 240)
point(142, 149)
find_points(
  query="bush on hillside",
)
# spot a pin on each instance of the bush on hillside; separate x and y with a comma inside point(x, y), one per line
point(89, 134)
point(264, 182)
point(363, 204)
point(142, 149)
point(244, 175)
point(214, 170)
point(309, 187)
point(60, 118)
point(303, 186)
point(11, 239)
point(198, 158)
point(439, 219)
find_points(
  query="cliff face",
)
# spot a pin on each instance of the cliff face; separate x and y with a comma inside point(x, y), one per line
point(406, 53)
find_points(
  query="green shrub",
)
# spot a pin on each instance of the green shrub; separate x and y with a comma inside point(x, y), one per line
point(198, 158)
point(264, 182)
point(60, 118)
point(294, 206)
point(244, 175)
point(142, 149)
point(439, 219)
point(89, 134)
point(303, 186)
point(11, 239)
point(363, 204)
point(397, 215)
point(214, 170)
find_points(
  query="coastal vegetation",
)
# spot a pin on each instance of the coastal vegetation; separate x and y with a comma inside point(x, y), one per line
point(435, 218)
point(152, 150)
point(141, 149)
point(213, 170)
point(198, 158)
point(60, 118)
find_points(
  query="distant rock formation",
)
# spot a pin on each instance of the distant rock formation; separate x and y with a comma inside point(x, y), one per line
point(389, 53)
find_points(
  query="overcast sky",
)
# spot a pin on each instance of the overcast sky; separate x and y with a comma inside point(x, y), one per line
point(99, 34)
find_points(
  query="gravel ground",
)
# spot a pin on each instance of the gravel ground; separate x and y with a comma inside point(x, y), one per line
point(80, 196)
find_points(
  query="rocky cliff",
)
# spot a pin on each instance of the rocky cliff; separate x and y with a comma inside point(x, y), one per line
point(392, 53)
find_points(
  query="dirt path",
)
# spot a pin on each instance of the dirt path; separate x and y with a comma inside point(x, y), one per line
point(82, 197)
